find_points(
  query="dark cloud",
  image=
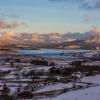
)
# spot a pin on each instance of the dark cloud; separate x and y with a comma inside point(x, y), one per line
point(7, 15)
point(86, 4)
point(97, 4)
point(93, 4)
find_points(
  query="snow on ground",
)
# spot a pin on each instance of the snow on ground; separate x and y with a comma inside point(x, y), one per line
point(55, 87)
point(6, 69)
point(92, 79)
point(10, 77)
point(92, 93)
point(44, 68)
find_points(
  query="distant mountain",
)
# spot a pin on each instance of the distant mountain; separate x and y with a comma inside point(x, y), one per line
point(87, 40)
point(78, 44)
point(29, 38)
point(56, 38)
point(79, 36)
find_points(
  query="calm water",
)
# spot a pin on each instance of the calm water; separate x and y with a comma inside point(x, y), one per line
point(51, 52)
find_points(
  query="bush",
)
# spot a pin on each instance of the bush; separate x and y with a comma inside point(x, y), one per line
point(25, 95)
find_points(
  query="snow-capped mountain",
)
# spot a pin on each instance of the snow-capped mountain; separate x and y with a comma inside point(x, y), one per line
point(15, 38)
point(85, 40)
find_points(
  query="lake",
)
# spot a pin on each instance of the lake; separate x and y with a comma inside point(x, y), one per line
point(52, 53)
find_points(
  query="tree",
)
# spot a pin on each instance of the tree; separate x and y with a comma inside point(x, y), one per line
point(5, 89)
point(18, 61)
point(76, 63)
point(5, 93)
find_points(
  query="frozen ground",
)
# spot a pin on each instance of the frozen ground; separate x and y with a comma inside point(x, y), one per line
point(45, 87)
point(92, 93)
point(57, 86)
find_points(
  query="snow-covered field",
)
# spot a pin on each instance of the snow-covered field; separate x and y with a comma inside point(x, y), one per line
point(50, 82)
point(53, 87)
point(92, 93)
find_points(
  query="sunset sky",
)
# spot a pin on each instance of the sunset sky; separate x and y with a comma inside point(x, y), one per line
point(46, 16)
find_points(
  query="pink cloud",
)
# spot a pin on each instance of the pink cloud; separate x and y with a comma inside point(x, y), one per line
point(6, 25)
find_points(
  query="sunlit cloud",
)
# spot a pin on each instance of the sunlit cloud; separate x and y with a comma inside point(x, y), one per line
point(10, 25)
point(5, 25)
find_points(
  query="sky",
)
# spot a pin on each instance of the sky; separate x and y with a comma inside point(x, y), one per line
point(47, 16)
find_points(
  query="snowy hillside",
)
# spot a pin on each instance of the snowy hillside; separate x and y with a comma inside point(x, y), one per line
point(92, 93)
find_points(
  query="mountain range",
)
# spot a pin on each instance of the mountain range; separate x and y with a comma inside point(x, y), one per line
point(86, 40)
